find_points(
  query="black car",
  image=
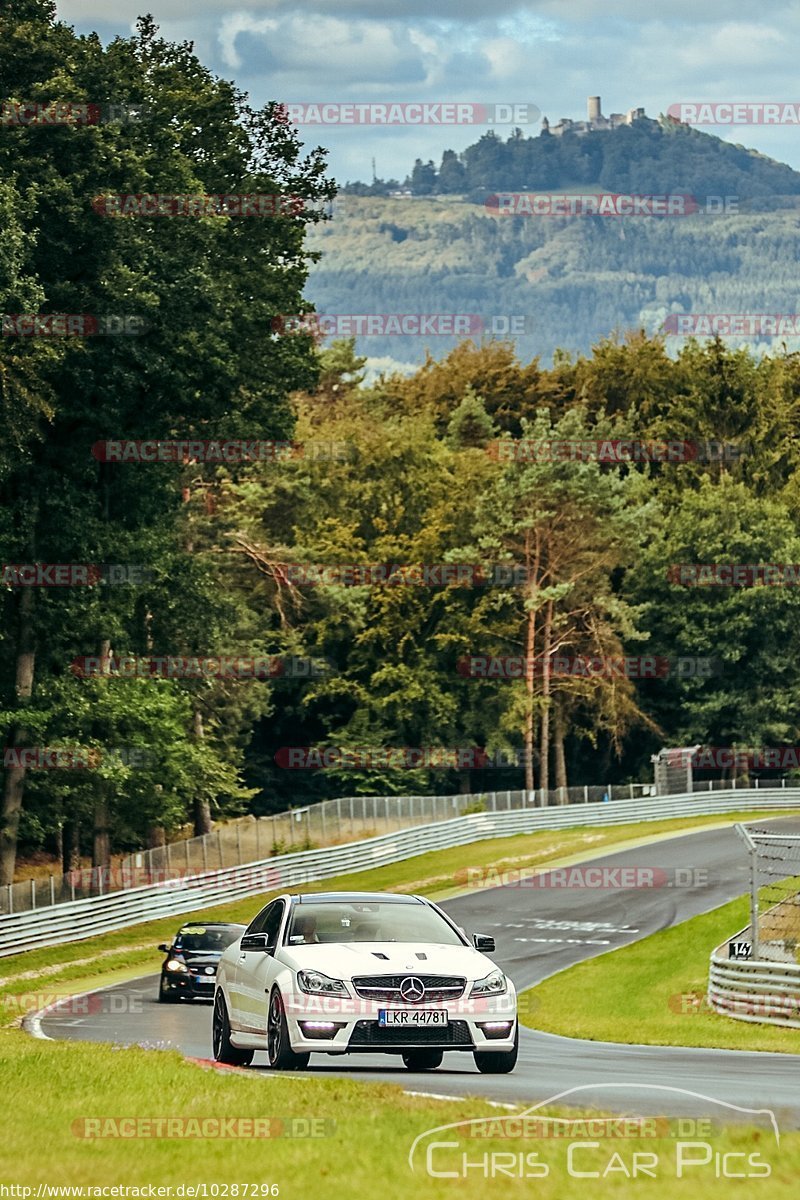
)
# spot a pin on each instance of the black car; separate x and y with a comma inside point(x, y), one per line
point(190, 968)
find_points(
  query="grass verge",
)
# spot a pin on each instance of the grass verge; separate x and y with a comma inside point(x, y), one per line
point(369, 1131)
point(652, 992)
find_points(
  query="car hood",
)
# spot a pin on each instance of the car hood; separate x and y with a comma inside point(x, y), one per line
point(200, 957)
point(343, 960)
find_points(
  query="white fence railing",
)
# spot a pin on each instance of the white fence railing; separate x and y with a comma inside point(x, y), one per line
point(754, 990)
point(251, 839)
point(73, 921)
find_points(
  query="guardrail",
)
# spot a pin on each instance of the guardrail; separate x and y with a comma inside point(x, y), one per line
point(756, 990)
point(251, 839)
point(73, 921)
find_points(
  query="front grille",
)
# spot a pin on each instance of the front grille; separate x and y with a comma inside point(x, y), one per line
point(371, 1034)
point(387, 987)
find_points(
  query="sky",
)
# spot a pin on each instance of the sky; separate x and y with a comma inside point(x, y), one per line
point(551, 54)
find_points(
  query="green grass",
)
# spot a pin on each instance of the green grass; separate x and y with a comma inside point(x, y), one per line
point(370, 1130)
point(653, 992)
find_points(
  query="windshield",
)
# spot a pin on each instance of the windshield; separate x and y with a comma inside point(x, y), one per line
point(336, 921)
point(200, 938)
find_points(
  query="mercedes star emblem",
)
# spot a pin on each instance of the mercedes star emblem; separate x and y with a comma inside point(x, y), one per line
point(412, 989)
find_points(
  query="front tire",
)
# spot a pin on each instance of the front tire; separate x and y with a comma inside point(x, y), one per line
point(165, 992)
point(498, 1062)
point(279, 1050)
point(224, 1049)
point(423, 1060)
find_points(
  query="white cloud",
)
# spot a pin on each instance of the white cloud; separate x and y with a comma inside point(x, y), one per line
point(325, 49)
point(552, 53)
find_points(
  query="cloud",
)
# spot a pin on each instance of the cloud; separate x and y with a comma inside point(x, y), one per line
point(318, 49)
point(545, 52)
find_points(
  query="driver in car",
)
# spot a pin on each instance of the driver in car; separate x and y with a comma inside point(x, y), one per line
point(305, 927)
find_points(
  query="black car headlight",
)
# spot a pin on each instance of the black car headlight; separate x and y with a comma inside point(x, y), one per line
point(176, 967)
point(491, 985)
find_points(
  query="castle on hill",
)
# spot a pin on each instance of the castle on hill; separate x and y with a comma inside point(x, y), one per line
point(594, 120)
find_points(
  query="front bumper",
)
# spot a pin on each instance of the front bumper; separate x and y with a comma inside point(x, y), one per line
point(191, 986)
point(342, 1025)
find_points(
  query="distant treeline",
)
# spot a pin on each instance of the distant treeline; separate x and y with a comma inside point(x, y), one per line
point(652, 157)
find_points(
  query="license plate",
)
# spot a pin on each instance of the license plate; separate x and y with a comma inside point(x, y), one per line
point(412, 1018)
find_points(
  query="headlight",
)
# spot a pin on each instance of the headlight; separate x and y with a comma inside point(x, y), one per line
point(315, 983)
point(490, 985)
point(175, 964)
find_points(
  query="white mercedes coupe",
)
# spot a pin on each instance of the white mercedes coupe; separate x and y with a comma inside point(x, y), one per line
point(362, 973)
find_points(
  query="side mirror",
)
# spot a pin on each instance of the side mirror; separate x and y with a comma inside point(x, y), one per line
point(254, 941)
point(483, 942)
point(163, 947)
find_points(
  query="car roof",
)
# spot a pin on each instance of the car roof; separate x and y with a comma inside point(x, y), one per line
point(354, 898)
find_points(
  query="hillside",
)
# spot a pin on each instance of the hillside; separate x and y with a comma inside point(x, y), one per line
point(568, 280)
point(574, 279)
point(644, 156)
